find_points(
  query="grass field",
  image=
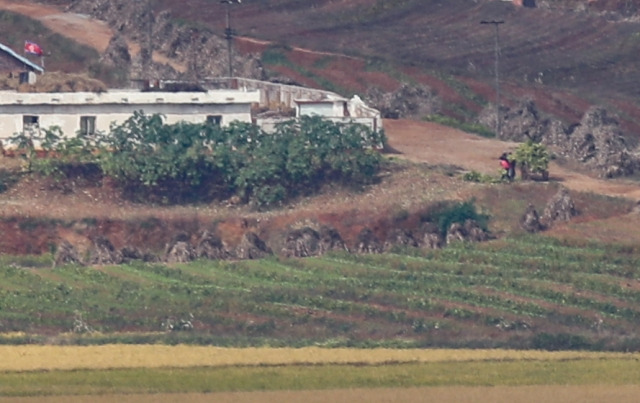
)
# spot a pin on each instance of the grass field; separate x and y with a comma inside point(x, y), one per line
point(531, 292)
point(77, 370)
point(68, 358)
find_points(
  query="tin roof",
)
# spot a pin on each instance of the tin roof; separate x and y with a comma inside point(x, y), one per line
point(22, 59)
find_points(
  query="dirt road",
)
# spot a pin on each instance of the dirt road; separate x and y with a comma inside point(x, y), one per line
point(436, 144)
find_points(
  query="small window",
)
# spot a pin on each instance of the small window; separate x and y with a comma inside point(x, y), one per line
point(214, 120)
point(87, 125)
point(30, 123)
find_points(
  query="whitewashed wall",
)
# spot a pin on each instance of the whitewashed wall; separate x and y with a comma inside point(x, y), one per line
point(65, 110)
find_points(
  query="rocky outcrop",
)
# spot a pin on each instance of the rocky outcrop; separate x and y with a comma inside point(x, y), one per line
point(469, 231)
point(399, 237)
point(431, 238)
point(367, 242)
point(117, 53)
point(330, 240)
point(211, 247)
point(179, 250)
point(519, 123)
point(560, 208)
point(131, 253)
point(66, 253)
point(252, 247)
point(307, 242)
point(200, 53)
point(302, 242)
point(596, 142)
point(408, 101)
point(530, 221)
point(103, 252)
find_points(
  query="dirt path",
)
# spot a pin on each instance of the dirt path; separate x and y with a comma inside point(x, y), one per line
point(436, 144)
point(81, 28)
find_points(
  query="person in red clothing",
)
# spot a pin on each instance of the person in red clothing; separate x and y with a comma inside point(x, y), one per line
point(509, 167)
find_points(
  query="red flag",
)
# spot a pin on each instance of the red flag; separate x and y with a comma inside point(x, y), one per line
point(32, 48)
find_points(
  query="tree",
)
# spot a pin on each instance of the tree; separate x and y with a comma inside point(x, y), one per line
point(193, 162)
point(533, 159)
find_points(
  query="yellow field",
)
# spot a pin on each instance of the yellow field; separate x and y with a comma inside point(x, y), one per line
point(37, 357)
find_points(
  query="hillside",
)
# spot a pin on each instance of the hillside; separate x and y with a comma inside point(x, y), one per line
point(574, 285)
point(565, 55)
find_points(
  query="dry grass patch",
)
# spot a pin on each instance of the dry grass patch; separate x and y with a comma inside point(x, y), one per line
point(37, 357)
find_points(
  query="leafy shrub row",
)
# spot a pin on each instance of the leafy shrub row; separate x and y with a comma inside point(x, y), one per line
point(186, 162)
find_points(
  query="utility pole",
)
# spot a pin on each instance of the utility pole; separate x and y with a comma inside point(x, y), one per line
point(146, 54)
point(228, 32)
point(150, 33)
point(496, 24)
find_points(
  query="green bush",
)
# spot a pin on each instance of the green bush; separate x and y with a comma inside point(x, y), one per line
point(188, 162)
point(560, 341)
point(533, 159)
point(475, 176)
point(446, 213)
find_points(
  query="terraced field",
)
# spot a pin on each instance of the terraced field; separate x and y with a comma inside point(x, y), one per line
point(531, 292)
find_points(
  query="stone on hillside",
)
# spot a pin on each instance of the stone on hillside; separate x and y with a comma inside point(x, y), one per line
point(130, 253)
point(367, 242)
point(431, 238)
point(210, 246)
point(179, 250)
point(117, 53)
point(560, 208)
point(598, 142)
point(330, 239)
point(252, 247)
point(103, 252)
point(469, 231)
point(408, 101)
point(399, 237)
point(530, 221)
point(523, 122)
point(303, 242)
point(66, 254)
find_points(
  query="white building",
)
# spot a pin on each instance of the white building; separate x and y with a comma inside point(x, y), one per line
point(88, 112)
point(340, 109)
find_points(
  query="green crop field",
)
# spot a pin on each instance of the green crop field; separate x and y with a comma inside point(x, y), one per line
point(526, 292)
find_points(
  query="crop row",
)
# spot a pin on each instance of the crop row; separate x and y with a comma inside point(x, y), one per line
point(420, 295)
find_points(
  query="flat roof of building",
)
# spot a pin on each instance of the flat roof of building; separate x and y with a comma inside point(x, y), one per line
point(129, 97)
